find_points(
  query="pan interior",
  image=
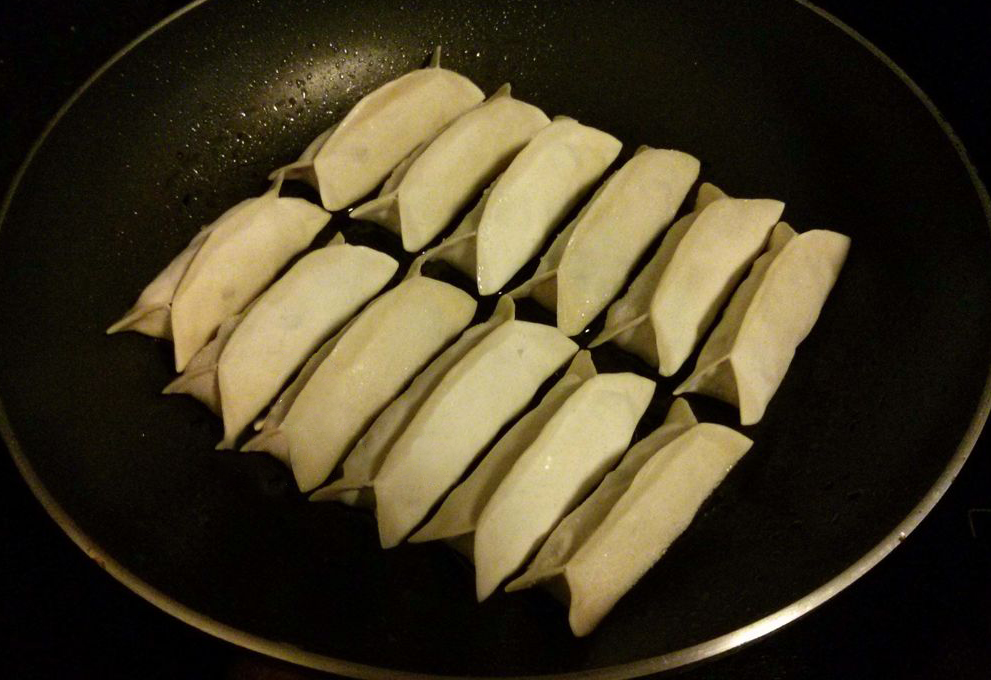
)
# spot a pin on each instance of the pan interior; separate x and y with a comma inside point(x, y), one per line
point(774, 101)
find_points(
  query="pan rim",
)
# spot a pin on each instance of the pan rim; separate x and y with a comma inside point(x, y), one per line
point(679, 658)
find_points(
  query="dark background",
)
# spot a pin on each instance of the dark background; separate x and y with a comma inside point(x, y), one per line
point(924, 612)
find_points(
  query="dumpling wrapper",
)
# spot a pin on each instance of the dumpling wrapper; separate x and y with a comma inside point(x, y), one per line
point(151, 315)
point(581, 522)
point(491, 384)
point(363, 462)
point(458, 514)
point(423, 195)
point(350, 159)
point(572, 453)
point(236, 262)
point(712, 257)
point(368, 365)
point(657, 507)
point(745, 359)
point(529, 206)
point(590, 260)
point(627, 321)
point(540, 186)
point(289, 321)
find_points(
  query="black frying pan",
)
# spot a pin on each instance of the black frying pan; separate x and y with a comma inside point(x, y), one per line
point(874, 419)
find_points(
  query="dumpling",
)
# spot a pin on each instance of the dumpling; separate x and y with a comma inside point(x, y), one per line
point(540, 186)
point(366, 366)
point(516, 214)
point(662, 323)
point(151, 315)
point(715, 253)
point(458, 514)
point(574, 529)
point(572, 453)
point(627, 321)
point(491, 384)
point(424, 194)
point(363, 462)
point(236, 262)
point(590, 260)
point(351, 158)
point(658, 506)
point(745, 359)
point(288, 323)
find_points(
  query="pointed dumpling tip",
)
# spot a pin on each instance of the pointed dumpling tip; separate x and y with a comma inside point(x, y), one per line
point(226, 444)
point(277, 177)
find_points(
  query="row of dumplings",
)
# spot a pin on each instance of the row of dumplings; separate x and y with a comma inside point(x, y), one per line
point(398, 387)
point(423, 439)
point(442, 144)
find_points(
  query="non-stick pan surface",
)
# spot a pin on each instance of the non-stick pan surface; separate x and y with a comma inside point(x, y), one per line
point(877, 411)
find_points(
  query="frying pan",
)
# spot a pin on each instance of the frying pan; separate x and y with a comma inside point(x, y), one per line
point(877, 414)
